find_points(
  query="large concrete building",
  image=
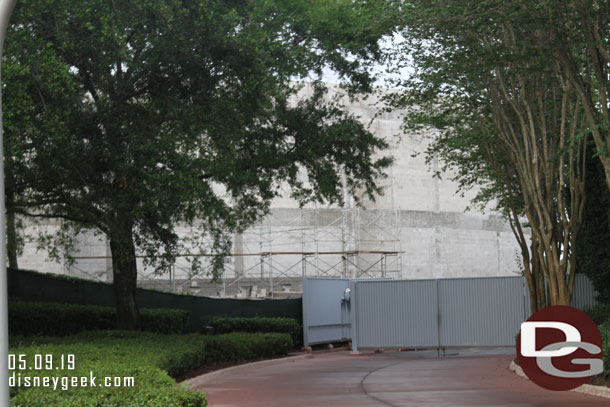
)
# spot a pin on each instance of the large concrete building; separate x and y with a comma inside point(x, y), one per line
point(418, 229)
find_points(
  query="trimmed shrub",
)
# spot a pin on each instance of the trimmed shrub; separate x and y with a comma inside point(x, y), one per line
point(41, 318)
point(599, 313)
point(153, 361)
point(168, 321)
point(258, 324)
point(240, 347)
point(153, 388)
point(141, 355)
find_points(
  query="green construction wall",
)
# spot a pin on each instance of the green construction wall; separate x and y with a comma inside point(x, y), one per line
point(33, 286)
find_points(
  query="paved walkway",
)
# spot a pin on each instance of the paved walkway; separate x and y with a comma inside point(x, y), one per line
point(408, 379)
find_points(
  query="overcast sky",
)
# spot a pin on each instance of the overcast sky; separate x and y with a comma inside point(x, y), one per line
point(385, 79)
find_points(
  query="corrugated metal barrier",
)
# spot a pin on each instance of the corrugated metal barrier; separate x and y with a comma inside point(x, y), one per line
point(458, 312)
point(480, 311)
point(326, 309)
point(377, 306)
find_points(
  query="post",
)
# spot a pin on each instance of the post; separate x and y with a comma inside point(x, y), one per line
point(305, 307)
point(353, 316)
point(6, 8)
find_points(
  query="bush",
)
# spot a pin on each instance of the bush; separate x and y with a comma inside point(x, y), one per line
point(605, 331)
point(153, 360)
point(282, 325)
point(168, 321)
point(240, 347)
point(40, 318)
point(599, 313)
point(141, 355)
point(157, 389)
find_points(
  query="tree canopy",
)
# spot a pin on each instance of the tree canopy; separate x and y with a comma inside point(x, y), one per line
point(510, 123)
point(130, 116)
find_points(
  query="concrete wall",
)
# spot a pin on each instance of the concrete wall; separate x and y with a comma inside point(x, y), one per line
point(438, 239)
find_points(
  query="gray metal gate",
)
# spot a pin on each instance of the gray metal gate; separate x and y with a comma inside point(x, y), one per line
point(326, 316)
point(326, 309)
point(480, 311)
point(460, 312)
point(378, 306)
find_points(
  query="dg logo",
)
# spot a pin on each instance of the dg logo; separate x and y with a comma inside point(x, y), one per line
point(560, 348)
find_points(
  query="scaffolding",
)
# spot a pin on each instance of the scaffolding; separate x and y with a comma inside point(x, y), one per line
point(270, 258)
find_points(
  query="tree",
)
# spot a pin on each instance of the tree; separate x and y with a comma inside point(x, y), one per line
point(15, 111)
point(143, 114)
point(508, 122)
point(576, 33)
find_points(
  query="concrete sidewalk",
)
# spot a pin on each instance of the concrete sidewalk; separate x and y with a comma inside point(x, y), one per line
point(410, 379)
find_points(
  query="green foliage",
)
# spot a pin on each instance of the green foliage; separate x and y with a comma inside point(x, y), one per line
point(448, 94)
point(259, 324)
point(156, 389)
point(457, 51)
point(605, 331)
point(127, 117)
point(241, 346)
point(168, 321)
point(125, 114)
point(505, 121)
point(593, 244)
point(152, 359)
point(599, 313)
point(38, 318)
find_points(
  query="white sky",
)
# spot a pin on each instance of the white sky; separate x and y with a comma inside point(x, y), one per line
point(385, 79)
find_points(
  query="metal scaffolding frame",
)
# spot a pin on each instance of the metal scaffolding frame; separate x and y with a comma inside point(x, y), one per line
point(271, 257)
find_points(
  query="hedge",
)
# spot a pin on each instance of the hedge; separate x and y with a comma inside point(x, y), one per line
point(605, 331)
point(241, 346)
point(599, 313)
point(41, 318)
point(153, 360)
point(258, 324)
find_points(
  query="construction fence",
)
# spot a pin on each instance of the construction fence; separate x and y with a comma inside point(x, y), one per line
point(440, 313)
point(42, 287)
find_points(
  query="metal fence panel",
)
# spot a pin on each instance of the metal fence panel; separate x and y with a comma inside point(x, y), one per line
point(394, 314)
point(326, 310)
point(421, 313)
point(446, 312)
point(480, 311)
point(325, 315)
point(583, 294)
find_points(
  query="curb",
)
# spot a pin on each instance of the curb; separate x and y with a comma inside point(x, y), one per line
point(203, 379)
point(585, 388)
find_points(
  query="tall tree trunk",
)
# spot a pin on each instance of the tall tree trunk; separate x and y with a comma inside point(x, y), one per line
point(541, 295)
point(11, 237)
point(532, 286)
point(535, 279)
point(125, 274)
point(11, 225)
point(538, 117)
point(529, 268)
